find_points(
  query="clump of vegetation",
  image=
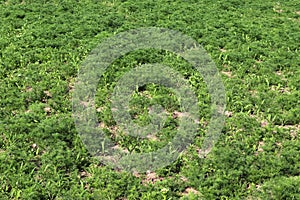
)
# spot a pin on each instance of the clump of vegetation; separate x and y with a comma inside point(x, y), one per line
point(255, 47)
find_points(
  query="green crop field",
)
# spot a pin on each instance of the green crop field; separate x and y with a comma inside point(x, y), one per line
point(255, 46)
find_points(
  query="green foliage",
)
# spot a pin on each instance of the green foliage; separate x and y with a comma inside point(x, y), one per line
point(255, 46)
